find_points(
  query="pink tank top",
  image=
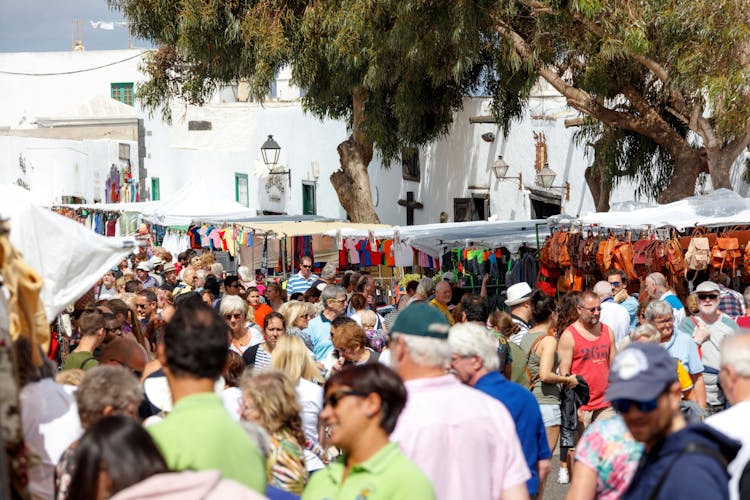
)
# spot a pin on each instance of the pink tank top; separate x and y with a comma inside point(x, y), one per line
point(591, 361)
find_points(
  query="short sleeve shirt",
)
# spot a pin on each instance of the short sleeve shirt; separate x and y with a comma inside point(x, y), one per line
point(608, 448)
point(386, 475)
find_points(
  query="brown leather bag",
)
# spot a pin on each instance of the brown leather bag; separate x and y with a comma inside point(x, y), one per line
point(623, 258)
point(726, 254)
point(558, 252)
point(605, 253)
point(675, 259)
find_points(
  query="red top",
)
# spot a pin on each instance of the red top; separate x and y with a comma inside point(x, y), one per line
point(591, 361)
point(743, 322)
point(261, 312)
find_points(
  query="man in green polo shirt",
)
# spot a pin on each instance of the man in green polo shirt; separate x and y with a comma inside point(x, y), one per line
point(361, 407)
point(198, 433)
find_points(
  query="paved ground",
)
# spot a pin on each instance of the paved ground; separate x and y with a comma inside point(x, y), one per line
point(553, 490)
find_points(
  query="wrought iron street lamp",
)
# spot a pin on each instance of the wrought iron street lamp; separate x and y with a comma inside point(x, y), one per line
point(270, 151)
point(500, 168)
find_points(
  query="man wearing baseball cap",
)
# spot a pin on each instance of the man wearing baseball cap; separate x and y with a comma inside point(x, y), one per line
point(462, 439)
point(708, 328)
point(680, 461)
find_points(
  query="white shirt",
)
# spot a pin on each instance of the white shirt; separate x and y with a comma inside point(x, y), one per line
point(734, 423)
point(310, 400)
point(617, 318)
point(49, 417)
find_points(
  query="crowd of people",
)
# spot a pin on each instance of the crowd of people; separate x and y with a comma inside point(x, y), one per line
point(186, 382)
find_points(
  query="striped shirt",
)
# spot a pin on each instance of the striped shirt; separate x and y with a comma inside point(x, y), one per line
point(297, 283)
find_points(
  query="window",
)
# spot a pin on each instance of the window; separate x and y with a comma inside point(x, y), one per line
point(123, 92)
point(241, 193)
point(155, 189)
point(410, 164)
point(468, 209)
point(123, 151)
point(308, 198)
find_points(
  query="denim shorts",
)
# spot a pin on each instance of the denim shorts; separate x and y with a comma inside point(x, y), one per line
point(550, 414)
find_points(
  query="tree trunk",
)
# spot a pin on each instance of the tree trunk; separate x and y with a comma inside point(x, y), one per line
point(599, 192)
point(688, 163)
point(352, 183)
point(719, 165)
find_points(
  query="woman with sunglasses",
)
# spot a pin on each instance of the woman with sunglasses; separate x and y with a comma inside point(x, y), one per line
point(242, 334)
point(362, 405)
point(296, 315)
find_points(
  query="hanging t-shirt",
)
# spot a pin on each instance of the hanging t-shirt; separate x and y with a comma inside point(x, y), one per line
point(203, 233)
point(351, 247)
point(111, 226)
point(388, 253)
point(403, 255)
point(213, 236)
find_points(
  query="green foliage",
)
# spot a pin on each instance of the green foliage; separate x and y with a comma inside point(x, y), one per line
point(413, 61)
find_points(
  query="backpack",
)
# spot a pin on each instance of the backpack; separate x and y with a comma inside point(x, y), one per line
point(694, 447)
point(698, 254)
point(250, 354)
point(726, 254)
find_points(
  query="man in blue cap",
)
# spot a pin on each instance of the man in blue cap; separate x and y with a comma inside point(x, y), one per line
point(680, 461)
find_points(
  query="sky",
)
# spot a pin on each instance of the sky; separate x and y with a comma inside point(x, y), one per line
point(47, 25)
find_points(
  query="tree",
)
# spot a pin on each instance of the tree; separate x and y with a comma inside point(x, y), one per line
point(362, 61)
point(665, 83)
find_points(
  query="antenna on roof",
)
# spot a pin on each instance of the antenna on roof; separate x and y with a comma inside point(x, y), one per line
point(77, 36)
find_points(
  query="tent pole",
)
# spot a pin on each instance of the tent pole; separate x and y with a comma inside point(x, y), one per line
point(282, 247)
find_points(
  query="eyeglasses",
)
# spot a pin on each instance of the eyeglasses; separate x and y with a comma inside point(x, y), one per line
point(340, 301)
point(707, 296)
point(140, 306)
point(664, 321)
point(333, 399)
point(615, 283)
point(592, 310)
point(623, 405)
point(305, 266)
point(235, 316)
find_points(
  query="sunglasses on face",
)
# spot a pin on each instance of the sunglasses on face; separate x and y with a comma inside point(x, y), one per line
point(615, 283)
point(623, 405)
point(230, 316)
point(140, 306)
point(592, 310)
point(707, 296)
point(305, 266)
point(334, 398)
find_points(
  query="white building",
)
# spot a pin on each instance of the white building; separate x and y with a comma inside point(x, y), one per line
point(66, 118)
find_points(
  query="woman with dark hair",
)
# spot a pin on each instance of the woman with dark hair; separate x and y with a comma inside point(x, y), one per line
point(540, 346)
point(116, 452)
point(131, 325)
point(274, 327)
point(567, 311)
point(117, 459)
point(231, 396)
point(362, 405)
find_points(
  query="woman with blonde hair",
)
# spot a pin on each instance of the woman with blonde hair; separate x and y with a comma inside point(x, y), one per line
point(296, 315)
point(293, 358)
point(234, 311)
point(274, 296)
point(268, 399)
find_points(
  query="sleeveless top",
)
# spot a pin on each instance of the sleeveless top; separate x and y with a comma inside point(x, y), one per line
point(591, 361)
point(545, 393)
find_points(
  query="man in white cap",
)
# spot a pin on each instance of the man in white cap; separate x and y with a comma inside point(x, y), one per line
point(142, 272)
point(708, 328)
point(518, 300)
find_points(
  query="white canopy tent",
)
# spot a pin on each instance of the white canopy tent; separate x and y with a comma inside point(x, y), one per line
point(69, 257)
point(436, 239)
point(720, 208)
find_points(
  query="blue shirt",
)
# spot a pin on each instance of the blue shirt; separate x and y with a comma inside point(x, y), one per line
point(682, 347)
point(319, 329)
point(524, 409)
point(297, 283)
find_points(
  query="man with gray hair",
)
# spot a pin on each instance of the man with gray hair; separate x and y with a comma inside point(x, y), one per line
point(656, 288)
point(658, 313)
point(104, 390)
point(425, 288)
point(476, 364)
point(735, 380)
point(462, 439)
point(327, 277)
point(333, 298)
point(613, 314)
point(708, 328)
